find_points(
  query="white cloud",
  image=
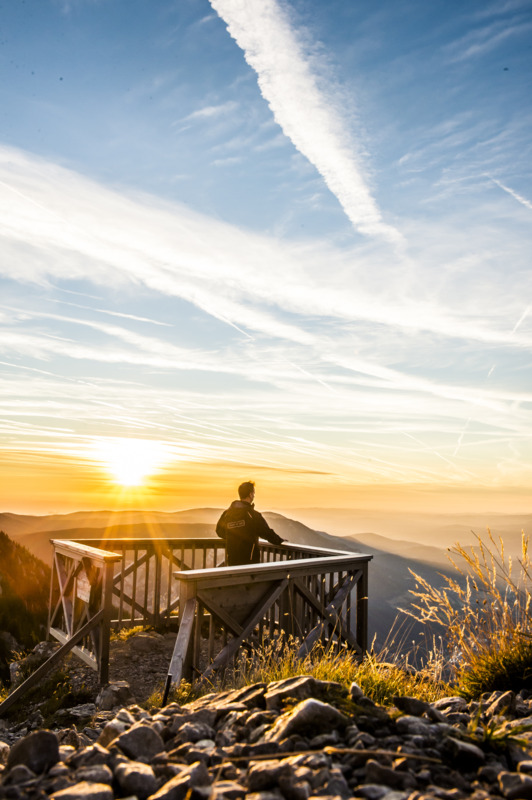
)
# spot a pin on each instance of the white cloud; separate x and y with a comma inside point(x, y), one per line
point(306, 115)
point(520, 199)
point(209, 112)
point(315, 338)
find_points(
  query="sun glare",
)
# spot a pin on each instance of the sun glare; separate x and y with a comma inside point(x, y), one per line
point(131, 461)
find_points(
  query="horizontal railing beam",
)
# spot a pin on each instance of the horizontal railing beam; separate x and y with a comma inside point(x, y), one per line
point(129, 543)
point(271, 570)
point(72, 549)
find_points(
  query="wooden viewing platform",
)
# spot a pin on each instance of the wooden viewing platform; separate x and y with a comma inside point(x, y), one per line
point(304, 592)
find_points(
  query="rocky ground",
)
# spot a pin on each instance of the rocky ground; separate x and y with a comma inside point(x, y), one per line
point(142, 660)
point(290, 740)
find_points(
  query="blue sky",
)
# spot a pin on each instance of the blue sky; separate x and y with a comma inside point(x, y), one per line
point(271, 238)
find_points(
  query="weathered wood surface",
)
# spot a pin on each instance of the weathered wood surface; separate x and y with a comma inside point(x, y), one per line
point(80, 609)
point(309, 599)
point(81, 596)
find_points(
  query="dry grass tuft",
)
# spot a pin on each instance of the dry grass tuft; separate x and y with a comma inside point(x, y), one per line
point(486, 614)
point(379, 676)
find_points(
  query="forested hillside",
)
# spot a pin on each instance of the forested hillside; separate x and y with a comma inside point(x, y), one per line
point(24, 588)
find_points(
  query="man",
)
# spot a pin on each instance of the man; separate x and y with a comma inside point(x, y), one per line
point(240, 526)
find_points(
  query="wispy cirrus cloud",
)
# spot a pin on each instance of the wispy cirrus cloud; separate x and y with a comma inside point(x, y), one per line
point(253, 282)
point(484, 39)
point(211, 112)
point(306, 332)
point(308, 118)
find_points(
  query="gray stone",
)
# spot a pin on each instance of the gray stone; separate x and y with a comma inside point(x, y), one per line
point(371, 791)
point(331, 739)
point(355, 692)
point(413, 726)
point(524, 722)
point(337, 784)
point(450, 704)
point(256, 734)
point(458, 717)
point(85, 791)
point(96, 773)
point(309, 717)
point(140, 740)
point(489, 773)
point(503, 703)
point(515, 786)
point(411, 705)
point(112, 730)
point(395, 779)
point(463, 754)
point(312, 761)
point(92, 734)
point(113, 695)
point(266, 774)
point(80, 711)
point(194, 732)
point(299, 688)
point(525, 767)
point(227, 790)
point(136, 778)
point(38, 750)
point(125, 717)
point(91, 755)
point(203, 716)
point(294, 790)
point(249, 696)
point(66, 750)
point(20, 773)
point(4, 752)
point(58, 769)
point(15, 671)
point(68, 736)
point(178, 787)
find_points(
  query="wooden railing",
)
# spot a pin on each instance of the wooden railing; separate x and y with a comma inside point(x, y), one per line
point(98, 585)
point(222, 610)
point(145, 590)
point(80, 610)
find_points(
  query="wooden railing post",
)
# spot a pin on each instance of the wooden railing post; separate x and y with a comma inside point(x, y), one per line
point(105, 630)
point(362, 609)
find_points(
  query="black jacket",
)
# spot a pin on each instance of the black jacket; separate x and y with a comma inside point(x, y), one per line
point(240, 526)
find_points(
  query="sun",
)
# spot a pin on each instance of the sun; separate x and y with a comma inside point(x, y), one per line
point(131, 461)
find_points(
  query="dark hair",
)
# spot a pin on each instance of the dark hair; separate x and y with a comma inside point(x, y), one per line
point(245, 489)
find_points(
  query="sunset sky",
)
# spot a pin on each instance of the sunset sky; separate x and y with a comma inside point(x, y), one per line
point(281, 240)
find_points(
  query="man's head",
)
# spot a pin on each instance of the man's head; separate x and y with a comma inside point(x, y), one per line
point(246, 491)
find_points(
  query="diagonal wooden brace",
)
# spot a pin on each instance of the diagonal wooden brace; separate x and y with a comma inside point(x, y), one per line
point(225, 618)
point(330, 614)
point(327, 615)
point(258, 612)
point(54, 658)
